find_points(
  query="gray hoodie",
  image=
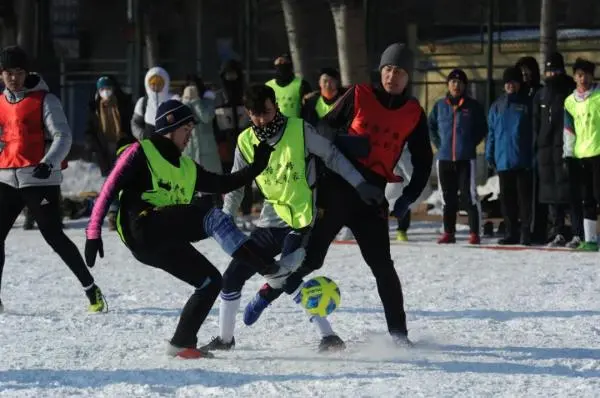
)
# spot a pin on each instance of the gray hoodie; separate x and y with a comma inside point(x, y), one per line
point(56, 131)
point(314, 145)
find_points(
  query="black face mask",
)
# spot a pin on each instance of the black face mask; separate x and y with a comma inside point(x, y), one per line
point(284, 72)
point(271, 129)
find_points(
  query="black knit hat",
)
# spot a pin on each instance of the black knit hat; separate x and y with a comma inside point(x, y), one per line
point(14, 57)
point(396, 54)
point(584, 65)
point(330, 72)
point(512, 74)
point(171, 115)
point(458, 74)
point(554, 63)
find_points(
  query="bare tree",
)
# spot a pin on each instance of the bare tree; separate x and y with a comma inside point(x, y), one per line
point(547, 29)
point(296, 14)
point(25, 24)
point(149, 11)
point(8, 23)
point(349, 19)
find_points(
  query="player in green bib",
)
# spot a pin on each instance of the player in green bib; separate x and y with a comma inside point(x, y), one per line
point(289, 89)
point(160, 215)
point(287, 183)
point(318, 103)
point(582, 144)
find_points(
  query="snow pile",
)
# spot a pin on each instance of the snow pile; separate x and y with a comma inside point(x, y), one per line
point(81, 177)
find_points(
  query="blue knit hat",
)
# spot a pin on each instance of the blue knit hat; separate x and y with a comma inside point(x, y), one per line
point(171, 115)
point(103, 82)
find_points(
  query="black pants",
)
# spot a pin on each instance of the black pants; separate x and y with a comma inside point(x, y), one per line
point(541, 212)
point(558, 213)
point(516, 199)
point(339, 205)
point(404, 222)
point(44, 205)
point(272, 241)
point(162, 239)
point(590, 184)
point(455, 177)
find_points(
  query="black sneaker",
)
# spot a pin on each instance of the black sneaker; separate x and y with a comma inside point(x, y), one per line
point(331, 343)
point(509, 240)
point(217, 344)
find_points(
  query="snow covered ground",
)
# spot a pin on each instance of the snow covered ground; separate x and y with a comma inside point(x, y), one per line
point(487, 323)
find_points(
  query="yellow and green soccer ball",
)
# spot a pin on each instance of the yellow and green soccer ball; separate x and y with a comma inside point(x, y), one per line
point(320, 296)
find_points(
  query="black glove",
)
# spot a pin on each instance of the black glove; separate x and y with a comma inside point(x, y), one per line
point(92, 248)
point(262, 154)
point(42, 171)
point(370, 194)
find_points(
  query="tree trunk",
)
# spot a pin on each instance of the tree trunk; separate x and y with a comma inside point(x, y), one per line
point(8, 24)
point(296, 14)
point(547, 29)
point(150, 36)
point(26, 30)
point(349, 19)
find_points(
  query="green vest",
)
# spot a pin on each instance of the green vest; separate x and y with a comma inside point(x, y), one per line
point(283, 183)
point(322, 108)
point(288, 97)
point(170, 185)
point(586, 118)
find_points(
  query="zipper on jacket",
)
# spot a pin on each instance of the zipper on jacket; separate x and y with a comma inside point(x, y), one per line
point(454, 108)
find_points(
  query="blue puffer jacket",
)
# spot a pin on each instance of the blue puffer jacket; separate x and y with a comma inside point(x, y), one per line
point(456, 130)
point(509, 143)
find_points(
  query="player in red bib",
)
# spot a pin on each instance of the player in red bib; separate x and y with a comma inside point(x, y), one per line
point(34, 141)
point(370, 124)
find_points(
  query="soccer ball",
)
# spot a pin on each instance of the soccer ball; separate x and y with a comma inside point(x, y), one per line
point(320, 296)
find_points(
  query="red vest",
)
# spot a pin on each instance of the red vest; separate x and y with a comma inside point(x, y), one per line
point(386, 129)
point(23, 142)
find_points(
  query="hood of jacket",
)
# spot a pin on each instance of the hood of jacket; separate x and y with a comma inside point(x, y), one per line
point(33, 82)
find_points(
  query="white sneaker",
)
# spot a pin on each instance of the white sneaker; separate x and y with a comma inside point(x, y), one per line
point(558, 241)
point(574, 243)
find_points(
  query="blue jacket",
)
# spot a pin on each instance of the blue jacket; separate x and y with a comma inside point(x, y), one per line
point(457, 130)
point(509, 143)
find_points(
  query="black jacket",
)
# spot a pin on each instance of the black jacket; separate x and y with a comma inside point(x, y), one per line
point(95, 141)
point(548, 114)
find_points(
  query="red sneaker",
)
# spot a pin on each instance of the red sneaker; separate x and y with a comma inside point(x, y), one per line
point(446, 238)
point(188, 352)
point(474, 239)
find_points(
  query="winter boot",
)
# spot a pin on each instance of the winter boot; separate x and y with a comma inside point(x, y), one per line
point(525, 238)
point(488, 229)
point(218, 344)
point(446, 238)
point(474, 238)
point(331, 343)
